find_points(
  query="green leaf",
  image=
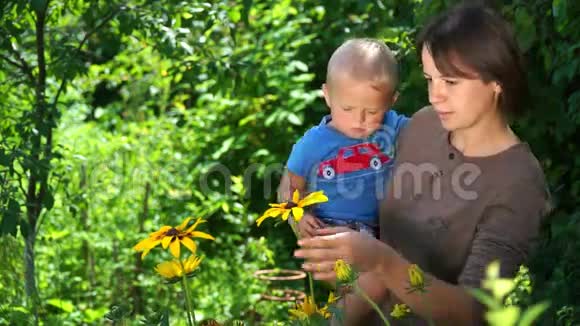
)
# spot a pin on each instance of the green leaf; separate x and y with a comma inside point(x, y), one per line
point(500, 287)
point(226, 145)
point(38, 5)
point(24, 227)
point(246, 10)
point(4, 159)
point(526, 29)
point(532, 313)
point(484, 298)
point(235, 15)
point(294, 119)
point(64, 305)
point(503, 317)
point(49, 200)
point(492, 270)
point(10, 218)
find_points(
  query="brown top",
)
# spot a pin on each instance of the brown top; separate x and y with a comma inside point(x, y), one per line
point(451, 214)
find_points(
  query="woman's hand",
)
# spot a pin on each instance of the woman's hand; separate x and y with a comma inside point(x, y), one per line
point(360, 250)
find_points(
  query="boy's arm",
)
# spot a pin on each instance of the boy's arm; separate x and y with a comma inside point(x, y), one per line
point(288, 184)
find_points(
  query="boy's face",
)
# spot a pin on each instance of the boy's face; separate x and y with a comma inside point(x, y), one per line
point(356, 107)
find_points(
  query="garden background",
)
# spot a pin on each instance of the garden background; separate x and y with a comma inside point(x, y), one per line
point(117, 117)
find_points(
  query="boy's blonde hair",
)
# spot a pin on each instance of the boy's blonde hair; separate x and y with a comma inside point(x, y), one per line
point(364, 59)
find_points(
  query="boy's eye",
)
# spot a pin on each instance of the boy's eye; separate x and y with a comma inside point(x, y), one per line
point(373, 111)
point(450, 82)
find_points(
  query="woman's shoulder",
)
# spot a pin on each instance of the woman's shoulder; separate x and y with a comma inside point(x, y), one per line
point(423, 126)
point(425, 115)
point(522, 178)
point(517, 165)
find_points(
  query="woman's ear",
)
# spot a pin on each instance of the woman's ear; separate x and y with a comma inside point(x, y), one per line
point(497, 88)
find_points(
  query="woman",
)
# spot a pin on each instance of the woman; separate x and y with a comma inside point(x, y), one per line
point(465, 190)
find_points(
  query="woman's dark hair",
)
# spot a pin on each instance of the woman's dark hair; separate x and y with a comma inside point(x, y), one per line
point(476, 37)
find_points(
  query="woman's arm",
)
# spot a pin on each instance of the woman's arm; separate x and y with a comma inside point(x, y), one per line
point(356, 308)
point(443, 303)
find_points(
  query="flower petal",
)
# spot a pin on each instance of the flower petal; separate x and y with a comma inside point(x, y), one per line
point(197, 222)
point(286, 214)
point(165, 269)
point(146, 245)
point(278, 205)
point(298, 314)
point(183, 224)
point(297, 213)
point(296, 196)
point(270, 212)
point(160, 233)
point(191, 264)
point(166, 241)
point(143, 244)
point(313, 198)
point(189, 244)
point(203, 235)
point(174, 248)
point(145, 252)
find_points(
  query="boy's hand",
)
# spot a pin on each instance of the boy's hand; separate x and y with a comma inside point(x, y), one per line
point(308, 225)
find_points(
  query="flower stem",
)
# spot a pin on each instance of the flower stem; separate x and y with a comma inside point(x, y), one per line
point(190, 312)
point(362, 293)
point(429, 320)
point(310, 281)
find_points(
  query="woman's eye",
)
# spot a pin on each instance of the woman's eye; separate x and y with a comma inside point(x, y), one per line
point(347, 109)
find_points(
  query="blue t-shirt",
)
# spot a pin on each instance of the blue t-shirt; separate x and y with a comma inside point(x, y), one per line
point(351, 172)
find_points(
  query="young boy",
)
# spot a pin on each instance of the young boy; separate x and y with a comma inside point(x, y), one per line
point(350, 153)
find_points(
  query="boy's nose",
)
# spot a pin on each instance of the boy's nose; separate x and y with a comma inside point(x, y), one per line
point(362, 117)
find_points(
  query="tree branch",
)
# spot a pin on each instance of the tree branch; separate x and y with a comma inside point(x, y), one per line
point(107, 18)
point(20, 63)
point(14, 63)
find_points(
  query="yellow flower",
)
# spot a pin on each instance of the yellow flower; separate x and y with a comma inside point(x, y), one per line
point(416, 278)
point(343, 271)
point(305, 309)
point(308, 309)
point(332, 298)
point(296, 206)
point(173, 237)
point(174, 270)
point(324, 310)
point(400, 311)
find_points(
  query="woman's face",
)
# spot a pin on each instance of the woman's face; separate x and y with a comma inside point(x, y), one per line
point(460, 102)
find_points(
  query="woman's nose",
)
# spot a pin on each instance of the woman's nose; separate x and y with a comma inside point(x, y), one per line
point(436, 91)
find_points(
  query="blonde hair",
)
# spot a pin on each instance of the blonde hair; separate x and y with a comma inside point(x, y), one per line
point(364, 59)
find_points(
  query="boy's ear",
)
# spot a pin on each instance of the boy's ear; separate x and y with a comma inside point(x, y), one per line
point(326, 94)
point(395, 97)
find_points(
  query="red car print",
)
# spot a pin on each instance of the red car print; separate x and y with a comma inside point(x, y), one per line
point(353, 158)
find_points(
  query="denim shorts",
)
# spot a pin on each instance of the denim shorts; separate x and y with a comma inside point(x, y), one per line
point(372, 229)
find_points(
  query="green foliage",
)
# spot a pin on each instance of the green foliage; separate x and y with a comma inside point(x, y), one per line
point(498, 297)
